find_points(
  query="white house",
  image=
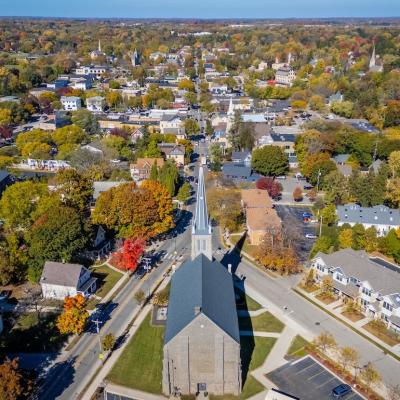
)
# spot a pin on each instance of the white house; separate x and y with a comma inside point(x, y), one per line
point(60, 280)
point(172, 124)
point(96, 103)
point(355, 275)
point(381, 217)
point(71, 103)
point(285, 76)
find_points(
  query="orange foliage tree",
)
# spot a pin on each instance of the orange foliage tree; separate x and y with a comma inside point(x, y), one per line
point(11, 380)
point(73, 318)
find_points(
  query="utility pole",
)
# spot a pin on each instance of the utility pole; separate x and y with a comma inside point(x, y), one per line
point(319, 175)
point(97, 322)
point(320, 226)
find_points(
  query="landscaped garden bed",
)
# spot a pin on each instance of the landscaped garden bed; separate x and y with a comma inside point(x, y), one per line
point(353, 316)
point(378, 329)
point(326, 298)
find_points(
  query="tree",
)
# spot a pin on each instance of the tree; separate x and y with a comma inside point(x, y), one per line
point(184, 192)
point(68, 134)
point(209, 128)
point(273, 187)
point(57, 235)
point(370, 376)
point(346, 238)
point(270, 160)
point(75, 189)
point(215, 156)
point(36, 150)
point(140, 297)
point(192, 127)
point(74, 316)
point(328, 214)
point(168, 176)
point(325, 341)
point(22, 201)
point(344, 108)
point(108, 342)
point(349, 357)
point(394, 163)
point(12, 385)
point(323, 244)
point(336, 187)
point(33, 136)
point(154, 172)
point(327, 285)
point(85, 120)
point(128, 257)
point(298, 194)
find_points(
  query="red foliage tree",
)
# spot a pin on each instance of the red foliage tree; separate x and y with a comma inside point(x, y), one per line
point(120, 132)
point(273, 187)
point(64, 91)
point(5, 131)
point(128, 257)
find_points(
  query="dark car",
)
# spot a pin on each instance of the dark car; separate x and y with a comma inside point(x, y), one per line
point(340, 391)
point(4, 294)
point(308, 187)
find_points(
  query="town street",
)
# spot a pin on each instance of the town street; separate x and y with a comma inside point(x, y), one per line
point(68, 378)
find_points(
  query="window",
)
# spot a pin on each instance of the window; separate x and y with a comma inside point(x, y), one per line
point(387, 306)
point(366, 291)
point(339, 277)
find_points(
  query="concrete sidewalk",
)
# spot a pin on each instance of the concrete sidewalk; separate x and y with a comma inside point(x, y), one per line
point(132, 393)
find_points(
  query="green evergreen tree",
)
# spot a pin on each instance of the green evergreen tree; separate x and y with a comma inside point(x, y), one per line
point(154, 172)
point(184, 192)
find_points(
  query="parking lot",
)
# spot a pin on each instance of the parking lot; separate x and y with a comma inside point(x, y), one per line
point(308, 380)
point(292, 217)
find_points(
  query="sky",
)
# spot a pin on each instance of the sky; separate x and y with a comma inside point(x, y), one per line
point(201, 8)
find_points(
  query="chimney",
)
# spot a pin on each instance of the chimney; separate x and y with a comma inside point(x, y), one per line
point(230, 268)
point(197, 310)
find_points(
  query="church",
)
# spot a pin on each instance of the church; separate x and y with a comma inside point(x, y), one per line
point(202, 342)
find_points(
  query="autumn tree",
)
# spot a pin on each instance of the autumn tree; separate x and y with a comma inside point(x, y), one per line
point(298, 194)
point(346, 238)
point(325, 341)
point(12, 382)
point(74, 316)
point(273, 187)
point(85, 120)
point(128, 258)
point(108, 342)
point(349, 357)
point(75, 189)
point(370, 376)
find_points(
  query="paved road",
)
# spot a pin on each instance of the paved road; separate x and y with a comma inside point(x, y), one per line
point(311, 318)
point(68, 378)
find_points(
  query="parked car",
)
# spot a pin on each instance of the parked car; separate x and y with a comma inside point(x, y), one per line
point(307, 215)
point(311, 236)
point(308, 187)
point(4, 295)
point(340, 391)
point(282, 177)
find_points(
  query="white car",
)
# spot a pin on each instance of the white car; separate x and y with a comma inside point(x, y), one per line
point(311, 236)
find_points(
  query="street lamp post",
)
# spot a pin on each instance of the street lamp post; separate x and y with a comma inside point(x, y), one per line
point(97, 322)
point(319, 175)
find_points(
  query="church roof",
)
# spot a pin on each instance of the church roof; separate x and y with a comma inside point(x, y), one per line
point(201, 224)
point(205, 286)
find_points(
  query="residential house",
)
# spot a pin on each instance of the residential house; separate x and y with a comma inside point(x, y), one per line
point(142, 168)
point(340, 160)
point(5, 180)
point(100, 245)
point(242, 157)
point(95, 104)
point(285, 76)
point(94, 147)
point(172, 124)
point(261, 218)
point(103, 186)
point(381, 217)
point(71, 103)
point(60, 280)
point(173, 151)
point(239, 172)
point(335, 98)
point(358, 277)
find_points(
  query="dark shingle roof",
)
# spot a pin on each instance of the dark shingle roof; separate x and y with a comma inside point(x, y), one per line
point(377, 215)
point(236, 170)
point(205, 284)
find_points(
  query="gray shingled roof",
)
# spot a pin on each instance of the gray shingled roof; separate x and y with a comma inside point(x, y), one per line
point(357, 264)
point(236, 170)
point(205, 284)
point(62, 274)
point(201, 225)
point(378, 215)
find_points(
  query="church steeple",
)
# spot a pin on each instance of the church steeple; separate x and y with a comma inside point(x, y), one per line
point(372, 61)
point(99, 46)
point(201, 227)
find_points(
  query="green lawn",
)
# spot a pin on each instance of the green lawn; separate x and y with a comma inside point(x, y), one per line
point(265, 322)
point(246, 302)
point(106, 279)
point(298, 347)
point(140, 365)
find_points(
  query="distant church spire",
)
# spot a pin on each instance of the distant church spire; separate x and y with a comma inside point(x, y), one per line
point(99, 46)
point(201, 227)
point(372, 61)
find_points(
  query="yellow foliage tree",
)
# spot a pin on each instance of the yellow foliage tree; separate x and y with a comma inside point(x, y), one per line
point(74, 316)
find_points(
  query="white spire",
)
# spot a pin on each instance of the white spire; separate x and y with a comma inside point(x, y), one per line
point(372, 61)
point(289, 58)
point(99, 46)
point(231, 109)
